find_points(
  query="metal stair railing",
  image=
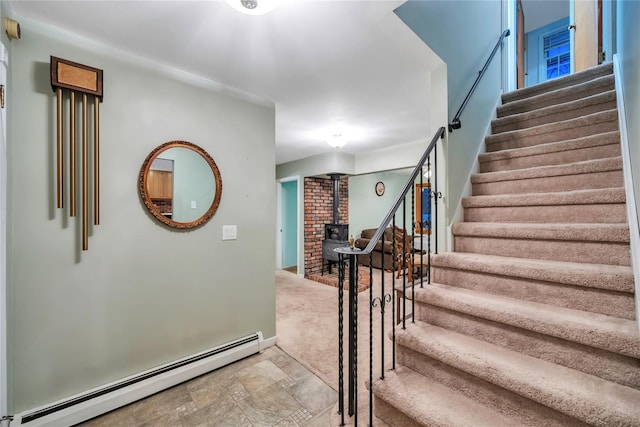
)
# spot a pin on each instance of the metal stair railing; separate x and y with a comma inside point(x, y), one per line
point(403, 260)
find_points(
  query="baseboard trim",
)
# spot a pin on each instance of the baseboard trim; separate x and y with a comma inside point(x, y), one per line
point(100, 400)
point(632, 212)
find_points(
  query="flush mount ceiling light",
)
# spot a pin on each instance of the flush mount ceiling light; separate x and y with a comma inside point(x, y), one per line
point(337, 140)
point(253, 7)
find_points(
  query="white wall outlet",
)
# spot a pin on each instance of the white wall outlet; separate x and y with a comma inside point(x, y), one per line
point(193, 204)
point(229, 232)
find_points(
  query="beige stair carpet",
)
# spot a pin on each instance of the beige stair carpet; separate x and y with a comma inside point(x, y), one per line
point(530, 321)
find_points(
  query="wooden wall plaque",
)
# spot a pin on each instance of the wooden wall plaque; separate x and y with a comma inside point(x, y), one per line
point(74, 76)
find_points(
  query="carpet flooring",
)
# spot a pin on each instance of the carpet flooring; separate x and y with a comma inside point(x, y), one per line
point(307, 329)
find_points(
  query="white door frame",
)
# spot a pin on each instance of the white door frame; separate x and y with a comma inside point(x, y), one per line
point(4, 65)
point(509, 47)
point(300, 248)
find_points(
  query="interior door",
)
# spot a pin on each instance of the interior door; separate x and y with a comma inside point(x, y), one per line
point(586, 34)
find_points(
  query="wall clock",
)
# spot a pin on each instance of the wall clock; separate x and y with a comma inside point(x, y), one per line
point(380, 188)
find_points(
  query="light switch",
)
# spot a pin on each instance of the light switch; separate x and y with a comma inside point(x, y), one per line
point(193, 204)
point(229, 232)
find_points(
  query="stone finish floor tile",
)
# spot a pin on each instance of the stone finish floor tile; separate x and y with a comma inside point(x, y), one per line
point(269, 405)
point(163, 403)
point(314, 394)
point(266, 389)
point(262, 374)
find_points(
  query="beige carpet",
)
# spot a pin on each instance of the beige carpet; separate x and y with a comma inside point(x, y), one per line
point(307, 329)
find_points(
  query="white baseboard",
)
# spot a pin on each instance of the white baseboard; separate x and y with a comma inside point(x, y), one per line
point(84, 406)
point(632, 212)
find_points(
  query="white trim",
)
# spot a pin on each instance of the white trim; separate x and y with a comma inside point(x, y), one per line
point(107, 402)
point(632, 213)
point(510, 51)
point(266, 343)
point(3, 238)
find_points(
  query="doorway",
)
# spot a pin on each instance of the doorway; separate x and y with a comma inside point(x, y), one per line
point(288, 233)
point(561, 37)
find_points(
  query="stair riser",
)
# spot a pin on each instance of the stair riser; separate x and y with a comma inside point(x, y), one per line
point(551, 85)
point(391, 415)
point(547, 159)
point(524, 411)
point(550, 99)
point(597, 213)
point(529, 139)
point(611, 253)
point(523, 123)
point(549, 184)
point(613, 367)
point(610, 303)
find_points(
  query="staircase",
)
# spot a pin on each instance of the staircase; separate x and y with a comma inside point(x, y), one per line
point(531, 320)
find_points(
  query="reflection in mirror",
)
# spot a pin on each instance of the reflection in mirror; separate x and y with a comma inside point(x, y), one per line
point(180, 184)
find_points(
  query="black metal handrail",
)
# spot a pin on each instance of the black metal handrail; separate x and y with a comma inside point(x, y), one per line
point(455, 122)
point(401, 261)
point(405, 190)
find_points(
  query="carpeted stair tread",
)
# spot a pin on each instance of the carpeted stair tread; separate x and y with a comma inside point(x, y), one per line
point(562, 82)
point(562, 111)
point(578, 168)
point(591, 329)
point(569, 146)
point(575, 197)
point(601, 276)
point(603, 121)
point(585, 397)
point(430, 403)
point(618, 233)
point(598, 85)
point(586, 206)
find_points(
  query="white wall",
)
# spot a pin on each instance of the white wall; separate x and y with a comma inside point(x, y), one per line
point(628, 45)
point(143, 294)
point(462, 34)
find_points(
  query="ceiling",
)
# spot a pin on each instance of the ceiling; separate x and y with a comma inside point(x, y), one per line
point(354, 63)
point(538, 13)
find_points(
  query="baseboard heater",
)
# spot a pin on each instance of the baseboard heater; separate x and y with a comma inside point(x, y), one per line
point(111, 396)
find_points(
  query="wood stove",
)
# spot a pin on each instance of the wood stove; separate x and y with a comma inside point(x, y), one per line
point(335, 235)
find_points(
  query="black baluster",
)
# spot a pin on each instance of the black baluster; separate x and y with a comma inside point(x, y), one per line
point(340, 332)
point(353, 340)
point(394, 291)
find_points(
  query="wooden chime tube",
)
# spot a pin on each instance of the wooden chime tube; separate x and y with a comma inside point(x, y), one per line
point(85, 155)
point(72, 153)
point(59, 145)
point(96, 160)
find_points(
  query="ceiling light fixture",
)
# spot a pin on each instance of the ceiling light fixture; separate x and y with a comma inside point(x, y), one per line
point(253, 7)
point(337, 140)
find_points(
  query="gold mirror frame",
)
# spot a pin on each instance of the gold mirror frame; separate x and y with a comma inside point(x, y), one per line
point(153, 209)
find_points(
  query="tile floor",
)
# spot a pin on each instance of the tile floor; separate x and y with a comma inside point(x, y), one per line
point(267, 389)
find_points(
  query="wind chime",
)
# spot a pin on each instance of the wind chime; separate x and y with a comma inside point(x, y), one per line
point(69, 79)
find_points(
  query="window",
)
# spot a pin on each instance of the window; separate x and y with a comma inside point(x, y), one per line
point(556, 54)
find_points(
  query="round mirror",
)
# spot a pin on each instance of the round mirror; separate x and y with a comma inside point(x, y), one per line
point(180, 184)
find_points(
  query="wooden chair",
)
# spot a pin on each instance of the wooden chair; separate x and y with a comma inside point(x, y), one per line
point(404, 250)
point(402, 243)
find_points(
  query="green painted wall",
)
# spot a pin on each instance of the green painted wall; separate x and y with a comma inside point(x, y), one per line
point(366, 208)
point(143, 294)
point(193, 181)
